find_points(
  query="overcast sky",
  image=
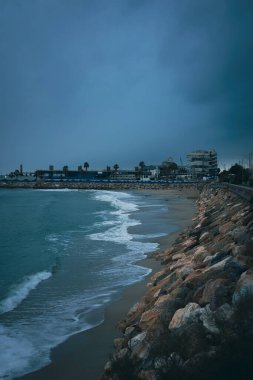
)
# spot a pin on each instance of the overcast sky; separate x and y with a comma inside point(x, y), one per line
point(120, 81)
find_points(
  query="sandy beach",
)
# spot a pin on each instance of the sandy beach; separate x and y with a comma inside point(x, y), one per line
point(83, 356)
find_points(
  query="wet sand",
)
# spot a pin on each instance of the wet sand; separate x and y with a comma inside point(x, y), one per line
point(83, 356)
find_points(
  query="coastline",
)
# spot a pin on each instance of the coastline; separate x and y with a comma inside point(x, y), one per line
point(83, 355)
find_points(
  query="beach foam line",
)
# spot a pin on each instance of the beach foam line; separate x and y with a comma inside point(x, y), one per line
point(57, 190)
point(16, 352)
point(21, 291)
point(119, 200)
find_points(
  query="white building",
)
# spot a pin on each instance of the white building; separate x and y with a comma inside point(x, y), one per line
point(203, 163)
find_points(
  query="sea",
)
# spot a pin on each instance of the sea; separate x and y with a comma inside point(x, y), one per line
point(64, 256)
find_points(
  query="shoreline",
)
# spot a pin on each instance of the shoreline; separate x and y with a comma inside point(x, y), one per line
point(195, 320)
point(96, 345)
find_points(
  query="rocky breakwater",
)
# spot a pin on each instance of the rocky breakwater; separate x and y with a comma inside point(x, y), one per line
point(196, 319)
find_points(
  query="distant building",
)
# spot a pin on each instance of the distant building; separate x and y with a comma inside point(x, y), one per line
point(203, 163)
point(122, 175)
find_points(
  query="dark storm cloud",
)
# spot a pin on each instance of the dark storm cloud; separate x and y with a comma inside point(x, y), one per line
point(213, 60)
point(95, 80)
point(212, 50)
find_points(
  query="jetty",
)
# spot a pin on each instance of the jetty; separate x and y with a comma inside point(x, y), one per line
point(196, 318)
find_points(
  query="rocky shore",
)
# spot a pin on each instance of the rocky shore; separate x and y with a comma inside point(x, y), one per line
point(196, 318)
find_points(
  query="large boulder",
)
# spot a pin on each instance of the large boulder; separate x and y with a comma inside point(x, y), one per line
point(137, 340)
point(149, 318)
point(208, 319)
point(216, 292)
point(189, 314)
point(244, 286)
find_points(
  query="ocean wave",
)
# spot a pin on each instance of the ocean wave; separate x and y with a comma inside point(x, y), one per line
point(151, 236)
point(21, 291)
point(57, 190)
point(16, 352)
point(118, 234)
point(25, 347)
point(124, 204)
point(121, 201)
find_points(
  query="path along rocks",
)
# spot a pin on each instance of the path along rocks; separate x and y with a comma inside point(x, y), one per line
point(199, 305)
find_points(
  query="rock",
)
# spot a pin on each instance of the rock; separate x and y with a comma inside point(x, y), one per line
point(229, 247)
point(208, 319)
point(121, 353)
point(224, 228)
point(133, 309)
point(148, 375)
point(220, 265)
point(158, 276)
point(244, 286)
point(217, 257)
point(207, 260)
point(188, 314)
point(160, 362)
point(149, 317)
point(170, 308)
point(239, 234)
point(216, 292)
point(205, 236)
point(247, 248)
point(119, 343)
point(108, 366)
point(189, 244)
point(177, 264)
point(193, 279)
point(163, 299)
point(129, 331)
point(204, 221)
point(200, 254)
point(238, 249)
point(178, 256)
point(234, 268)
point(236, 205)
point(195, 232)
point(183, 272)
point(190, 339)
point(224, 312)
point(138, 339)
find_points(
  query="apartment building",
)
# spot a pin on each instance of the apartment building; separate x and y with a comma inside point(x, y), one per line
point(203, 163)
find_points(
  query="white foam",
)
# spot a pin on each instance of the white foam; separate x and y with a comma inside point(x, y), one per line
point(56, 190)
point(124, 205)
point(21, 291)
point(52, 237)
point(122, 201)
point(151, 236)
point(16, 352)
point(118, 234)
point(25, 344)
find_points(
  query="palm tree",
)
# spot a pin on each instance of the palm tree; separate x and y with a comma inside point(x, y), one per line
point(86, 166)
point(116, 167)
point(142, 166)
point(65, 169)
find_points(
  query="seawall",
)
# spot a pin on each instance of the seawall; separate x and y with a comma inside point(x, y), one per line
point(196, 318)
point(101, 185)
